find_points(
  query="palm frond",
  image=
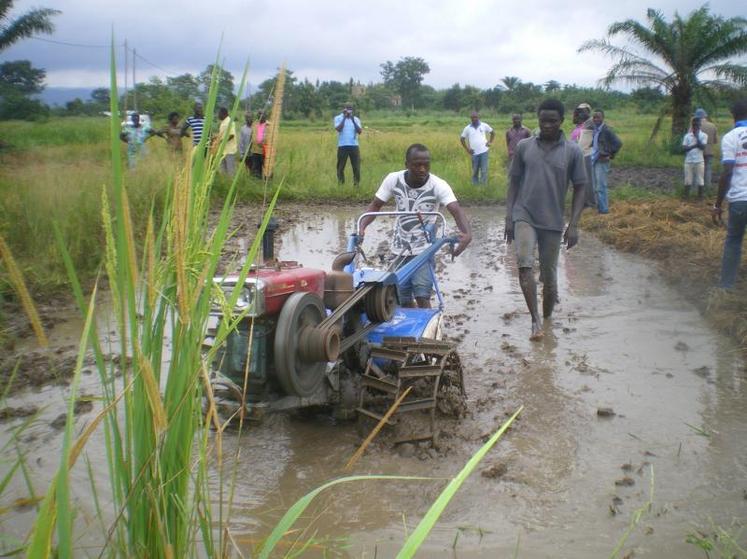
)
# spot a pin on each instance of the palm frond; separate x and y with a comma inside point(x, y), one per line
point(5, 6)
point(34, 21)
point(725, 43)
point(734, 73)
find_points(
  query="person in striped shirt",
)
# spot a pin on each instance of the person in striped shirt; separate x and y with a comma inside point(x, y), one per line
point(196, 123)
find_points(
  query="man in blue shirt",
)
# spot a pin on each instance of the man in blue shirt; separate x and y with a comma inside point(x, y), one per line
point(605, 145)
point(348, 128)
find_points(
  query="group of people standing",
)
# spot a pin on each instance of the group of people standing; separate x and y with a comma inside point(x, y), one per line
point(598, 142)
point(247, 146)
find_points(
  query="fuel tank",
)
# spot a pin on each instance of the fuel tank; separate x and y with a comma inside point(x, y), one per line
point(284, 278)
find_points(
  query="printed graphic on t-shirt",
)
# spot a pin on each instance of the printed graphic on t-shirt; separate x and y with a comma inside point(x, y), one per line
point(409, 234)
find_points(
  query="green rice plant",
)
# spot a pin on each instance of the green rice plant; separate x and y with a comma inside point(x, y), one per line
point(635, 518)
point(719, 542)
point(156, 438)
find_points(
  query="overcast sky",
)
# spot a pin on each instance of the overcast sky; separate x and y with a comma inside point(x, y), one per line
point(473, 42)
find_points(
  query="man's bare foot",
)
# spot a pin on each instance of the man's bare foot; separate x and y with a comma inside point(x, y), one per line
point(537, 333)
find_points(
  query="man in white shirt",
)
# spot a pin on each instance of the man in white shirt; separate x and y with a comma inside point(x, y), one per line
point(732, 185)
point(476, 144)
point(415, 189)
point(694, 143)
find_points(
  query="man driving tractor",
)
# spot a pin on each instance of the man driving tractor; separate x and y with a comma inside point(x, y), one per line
point(415, 189)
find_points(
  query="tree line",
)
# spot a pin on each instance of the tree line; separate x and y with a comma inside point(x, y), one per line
point(400, 90)
point(675, 65)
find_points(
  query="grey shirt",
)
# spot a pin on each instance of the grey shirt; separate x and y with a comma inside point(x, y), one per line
point(544, 171)
point(245, 139)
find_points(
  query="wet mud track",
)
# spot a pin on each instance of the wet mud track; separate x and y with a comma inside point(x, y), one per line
point(628, 383)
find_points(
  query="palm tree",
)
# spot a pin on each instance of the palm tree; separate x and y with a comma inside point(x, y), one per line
point(25, 25)
point(510, 82)
point(693, 56)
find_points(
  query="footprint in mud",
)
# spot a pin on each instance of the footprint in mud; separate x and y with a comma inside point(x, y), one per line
point(84, 404)
point(615, 505)
point(509, 349)
point(509, 316)
point(681, 346)
point(702, 372)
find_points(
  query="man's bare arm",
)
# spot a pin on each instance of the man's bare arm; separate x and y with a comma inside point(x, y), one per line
point(465, 232)
point(464, 145)
point(513, 190)
point(570, 238)
point(724, 182)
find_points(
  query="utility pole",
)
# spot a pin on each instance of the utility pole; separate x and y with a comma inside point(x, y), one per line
point(134, 81)
point(125, 80)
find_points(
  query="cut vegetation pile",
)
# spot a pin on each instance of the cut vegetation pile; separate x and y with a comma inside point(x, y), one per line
point(687, 245)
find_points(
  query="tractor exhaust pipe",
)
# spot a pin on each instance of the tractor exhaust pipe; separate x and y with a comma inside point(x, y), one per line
point(268, 239)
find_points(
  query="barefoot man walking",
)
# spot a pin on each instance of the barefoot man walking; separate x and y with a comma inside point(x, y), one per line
point(540, 172)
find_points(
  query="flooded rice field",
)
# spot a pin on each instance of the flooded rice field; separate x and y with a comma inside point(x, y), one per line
point(629, 390)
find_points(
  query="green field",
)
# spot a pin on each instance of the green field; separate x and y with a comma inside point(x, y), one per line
point(54, 172)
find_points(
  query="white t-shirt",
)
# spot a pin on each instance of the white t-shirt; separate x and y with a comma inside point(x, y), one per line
point(734, 150)
point(477, 137)
point(409, 237)
point(694, 155)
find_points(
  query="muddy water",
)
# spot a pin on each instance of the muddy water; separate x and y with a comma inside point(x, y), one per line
point(620, 339)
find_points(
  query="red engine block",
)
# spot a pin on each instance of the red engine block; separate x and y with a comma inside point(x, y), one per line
point(286, 278)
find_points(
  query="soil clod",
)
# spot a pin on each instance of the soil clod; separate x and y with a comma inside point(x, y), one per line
point(6, 414)
point(495, 471)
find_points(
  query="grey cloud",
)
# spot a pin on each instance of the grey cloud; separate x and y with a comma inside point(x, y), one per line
point(475, 42)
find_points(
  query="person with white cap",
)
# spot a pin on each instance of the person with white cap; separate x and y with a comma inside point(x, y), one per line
point(583, 135)
point(710, 130)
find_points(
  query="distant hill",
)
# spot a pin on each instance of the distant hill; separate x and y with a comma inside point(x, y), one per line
point(61, 95)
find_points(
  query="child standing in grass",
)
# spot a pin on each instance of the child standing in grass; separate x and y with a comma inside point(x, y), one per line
point(694, 143)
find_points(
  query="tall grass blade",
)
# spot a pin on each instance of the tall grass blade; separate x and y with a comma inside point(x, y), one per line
point(290, 517)
point(274, 124)
point(418, 536)
point(16, 279)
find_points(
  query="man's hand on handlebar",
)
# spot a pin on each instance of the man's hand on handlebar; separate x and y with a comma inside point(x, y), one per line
point(464, 240)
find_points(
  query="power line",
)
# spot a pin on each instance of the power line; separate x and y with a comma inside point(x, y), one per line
point(156, 66)
point(90, 46)
point(80, 45)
